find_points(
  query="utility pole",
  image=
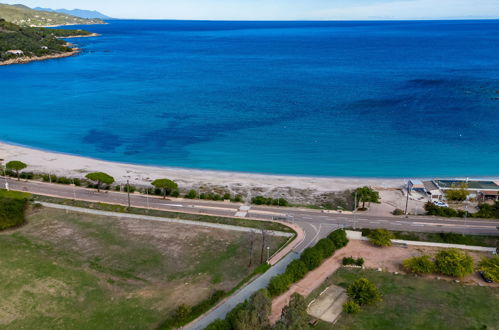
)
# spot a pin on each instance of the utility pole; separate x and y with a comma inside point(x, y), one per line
point(268, 253)
point(74, 189)
point(407, 201)
point(128, 192)
point(355, 210)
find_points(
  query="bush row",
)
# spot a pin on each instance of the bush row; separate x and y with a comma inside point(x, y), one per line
point(352, 261)
point(310, 259)
point(450, 262)
point(261, 200)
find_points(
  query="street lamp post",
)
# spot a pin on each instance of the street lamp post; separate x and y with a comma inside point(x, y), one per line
point(355, 210)
point(268, 253)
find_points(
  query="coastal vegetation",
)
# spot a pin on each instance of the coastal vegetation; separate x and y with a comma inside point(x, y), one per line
point(136, 273)
point(490, 268)
point(25, 16)
point(167, 186)
point(380, 237)
point(450, 262)
point(17, 41)
point(486, 211)
point(261, 200)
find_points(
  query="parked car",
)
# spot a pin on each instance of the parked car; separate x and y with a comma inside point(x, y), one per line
point(441, 204)
point(485, 277)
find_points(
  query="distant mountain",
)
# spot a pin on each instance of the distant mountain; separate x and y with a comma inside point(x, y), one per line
point(25, 16)
point(76, 12)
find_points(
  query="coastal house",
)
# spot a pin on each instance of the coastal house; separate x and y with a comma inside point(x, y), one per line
point(435, 189)
point(16, 52)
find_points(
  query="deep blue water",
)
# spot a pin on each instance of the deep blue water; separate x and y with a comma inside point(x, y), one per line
point(391, 99)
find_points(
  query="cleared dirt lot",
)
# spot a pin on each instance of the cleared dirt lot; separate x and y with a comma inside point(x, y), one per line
point(79, 271)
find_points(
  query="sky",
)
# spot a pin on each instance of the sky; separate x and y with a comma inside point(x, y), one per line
point(280, 9)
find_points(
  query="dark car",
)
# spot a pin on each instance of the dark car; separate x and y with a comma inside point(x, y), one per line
point(485, 277)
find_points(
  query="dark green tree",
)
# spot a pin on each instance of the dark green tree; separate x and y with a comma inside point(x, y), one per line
point(363, 292)
point(294, 316)
point(419, 265)
point(380, 237)
point(166, 185)
point(16, 166)
point(366, 194)
point(100, 178)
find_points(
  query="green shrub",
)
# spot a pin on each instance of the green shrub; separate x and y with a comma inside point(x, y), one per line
point(380, 237)
point(192, 194)
point(419, 265)
point(326, 246)
point(297, 270)
point(339, 238)
point(398, 212)
point(490, 267)
point(312, 258)
point(351, 307)
point(458, 193)
point(279, 284)
point(452, 262)
point(432, 209)
point(363, 292)
point(351, 261)
point(219, 325)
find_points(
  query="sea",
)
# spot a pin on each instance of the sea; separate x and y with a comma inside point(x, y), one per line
point(336, 98)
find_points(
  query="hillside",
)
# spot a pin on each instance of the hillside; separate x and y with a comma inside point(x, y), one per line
point(25, 16)
point(76, 12)
point(33, 42)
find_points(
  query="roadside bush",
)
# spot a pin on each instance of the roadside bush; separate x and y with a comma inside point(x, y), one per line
point(351, 307)
point(326, 246)
point(297, 270)
point(490, 267)
point(192, 194)
point(261, 200)
point(419, 265)
point(453, 262)
point(312, 258)
point(487, 211)
point(339, 238)
point(238, 199)
point(398, 212)
point(279, 284)
point(432, 209)
point(381, 237)
point(175, 193)
point(219, 325)
point(363, 292)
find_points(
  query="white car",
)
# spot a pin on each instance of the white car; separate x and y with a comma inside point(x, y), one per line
point(441, 204)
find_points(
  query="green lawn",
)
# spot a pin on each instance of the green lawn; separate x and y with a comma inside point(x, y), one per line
point(416, 303)
point(78, 271)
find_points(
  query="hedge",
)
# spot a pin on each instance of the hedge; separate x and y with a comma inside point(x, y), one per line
point(12, 207)
point(310, 259)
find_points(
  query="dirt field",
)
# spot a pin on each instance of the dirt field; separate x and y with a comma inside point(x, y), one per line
point(75, 271)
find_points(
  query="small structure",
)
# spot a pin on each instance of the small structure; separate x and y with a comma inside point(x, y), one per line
point(435, 189)
point(16, 52)
point(44, 47)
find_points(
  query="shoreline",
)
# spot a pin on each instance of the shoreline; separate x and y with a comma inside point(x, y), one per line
point(297, 187)
point(26, 60)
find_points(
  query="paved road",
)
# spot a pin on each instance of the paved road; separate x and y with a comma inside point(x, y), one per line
point(314, 223)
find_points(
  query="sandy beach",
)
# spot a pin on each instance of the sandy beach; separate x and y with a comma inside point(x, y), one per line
point(294, 187)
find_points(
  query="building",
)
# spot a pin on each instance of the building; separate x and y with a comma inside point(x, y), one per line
point(15, 52)
point(435, 189)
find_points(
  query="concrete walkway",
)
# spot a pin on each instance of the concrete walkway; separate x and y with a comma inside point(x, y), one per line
point(226, 306)
point(161, 219)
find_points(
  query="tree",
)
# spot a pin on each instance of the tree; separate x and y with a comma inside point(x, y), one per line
point(363, 292)
point(419, 265)
point(255, 315)
point(458, 193)
point(453, 262)
point(490, 267)
point(166, 185)
point(192, 194)
point(182, 312)
point(380, 237)
point(294, 315)
point(100, 178)
point(366, 194)
point(16, 166)
point(351, 307)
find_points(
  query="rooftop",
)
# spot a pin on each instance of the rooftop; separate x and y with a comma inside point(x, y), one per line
point(472, 184)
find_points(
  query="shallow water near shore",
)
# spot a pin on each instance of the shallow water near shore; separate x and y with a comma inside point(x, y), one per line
point(378, 99)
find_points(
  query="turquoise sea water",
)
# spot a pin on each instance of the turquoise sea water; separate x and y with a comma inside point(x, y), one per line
point(391, 99)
